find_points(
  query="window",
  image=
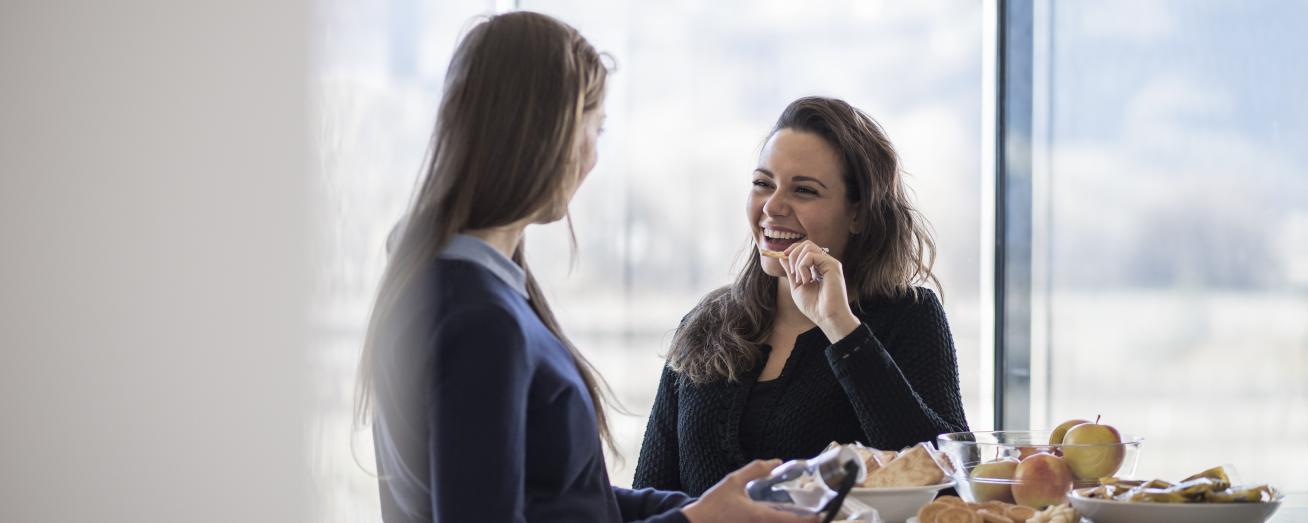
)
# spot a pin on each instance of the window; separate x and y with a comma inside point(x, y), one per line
point(660, 222)
point(1169, 204)
point(1171, 211)
point(377, 82)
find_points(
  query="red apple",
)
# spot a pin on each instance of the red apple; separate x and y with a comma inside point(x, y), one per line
point(1093, 451)
point(991, 480)
point(1041, 480)
point(1028, 451)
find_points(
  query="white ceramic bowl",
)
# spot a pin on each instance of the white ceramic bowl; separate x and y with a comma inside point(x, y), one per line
point(894, 504)
point(1113, 511)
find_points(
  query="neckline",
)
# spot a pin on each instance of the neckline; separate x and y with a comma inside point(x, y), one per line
point(802, 340)
point(478, 252)
point(743, 388)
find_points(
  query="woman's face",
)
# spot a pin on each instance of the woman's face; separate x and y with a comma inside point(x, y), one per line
point(592, 126)
point(798, 193)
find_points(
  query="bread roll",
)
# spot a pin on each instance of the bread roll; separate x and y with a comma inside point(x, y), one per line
point(957, 515)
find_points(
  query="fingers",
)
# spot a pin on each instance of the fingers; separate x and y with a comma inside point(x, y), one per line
point(790, 276)
point(795, 277)
point(797, 265)
point(762, 513)
point(794, 246)
point(793, 253)
point(806, 262)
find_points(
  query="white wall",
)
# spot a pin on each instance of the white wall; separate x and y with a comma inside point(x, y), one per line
point(153, 232)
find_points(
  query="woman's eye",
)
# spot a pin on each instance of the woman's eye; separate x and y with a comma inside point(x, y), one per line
point(806, 190)
point(761, 183)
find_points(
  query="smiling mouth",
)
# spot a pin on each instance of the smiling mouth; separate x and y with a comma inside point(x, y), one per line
point(777, 241)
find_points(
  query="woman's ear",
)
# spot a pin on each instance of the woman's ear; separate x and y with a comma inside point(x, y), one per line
point(856, 222)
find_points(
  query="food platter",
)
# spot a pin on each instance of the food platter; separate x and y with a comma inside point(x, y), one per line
point(1114, 511)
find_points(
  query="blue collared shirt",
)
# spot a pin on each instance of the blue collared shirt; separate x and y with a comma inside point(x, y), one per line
point(476, 250)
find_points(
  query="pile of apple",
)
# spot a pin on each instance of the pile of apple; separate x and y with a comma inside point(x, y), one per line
point(1041, 476)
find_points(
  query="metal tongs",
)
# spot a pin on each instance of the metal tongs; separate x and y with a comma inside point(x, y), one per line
point(835, 473)
point(832, 507)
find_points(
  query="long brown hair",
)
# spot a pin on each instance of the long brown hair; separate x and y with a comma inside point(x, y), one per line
point(892, 251)
point(504, 150)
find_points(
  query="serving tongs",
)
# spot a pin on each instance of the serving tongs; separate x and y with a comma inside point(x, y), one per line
point(848, 477)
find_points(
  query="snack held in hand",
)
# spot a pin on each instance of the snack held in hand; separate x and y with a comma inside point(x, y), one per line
point(778, 254)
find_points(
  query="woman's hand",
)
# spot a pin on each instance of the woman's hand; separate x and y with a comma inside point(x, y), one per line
point(727, 502)
point(817, 284)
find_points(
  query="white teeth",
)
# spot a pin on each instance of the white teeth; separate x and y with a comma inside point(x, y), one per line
point(781, 235)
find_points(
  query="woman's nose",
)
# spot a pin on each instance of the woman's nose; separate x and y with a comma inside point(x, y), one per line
point(776, 205)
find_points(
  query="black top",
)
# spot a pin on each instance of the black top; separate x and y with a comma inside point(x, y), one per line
point(758, 413)
point(890, 384)
point(481, 415)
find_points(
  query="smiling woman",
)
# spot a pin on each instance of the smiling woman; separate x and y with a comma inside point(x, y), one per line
point(785, 353)
point(811, 196)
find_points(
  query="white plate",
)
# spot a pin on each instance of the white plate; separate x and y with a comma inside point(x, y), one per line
point(915, 520)
point(895, 504)
point(1113, 511)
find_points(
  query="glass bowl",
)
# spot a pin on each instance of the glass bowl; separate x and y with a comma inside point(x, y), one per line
point(1045, 482)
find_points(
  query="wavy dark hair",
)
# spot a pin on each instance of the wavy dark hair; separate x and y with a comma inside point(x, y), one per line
point(503, 151)
point(893, 252)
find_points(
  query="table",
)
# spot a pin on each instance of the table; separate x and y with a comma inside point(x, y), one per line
point(1293, 510)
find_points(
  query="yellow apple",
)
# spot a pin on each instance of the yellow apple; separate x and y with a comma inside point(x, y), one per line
point(1061, 430)
point(991, 481)
point(1093, 450)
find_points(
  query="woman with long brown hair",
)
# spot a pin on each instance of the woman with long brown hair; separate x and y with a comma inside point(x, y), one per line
point(825, 335)
point(482, 410)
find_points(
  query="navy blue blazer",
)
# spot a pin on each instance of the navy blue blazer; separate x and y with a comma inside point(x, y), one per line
point(480, 414)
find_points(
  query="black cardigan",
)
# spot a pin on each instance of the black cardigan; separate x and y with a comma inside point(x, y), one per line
point(891, 383)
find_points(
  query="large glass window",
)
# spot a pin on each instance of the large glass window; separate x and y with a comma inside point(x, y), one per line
point(1169, 200)
point(377, 81)
point(660, 222)
point(1171, 217)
